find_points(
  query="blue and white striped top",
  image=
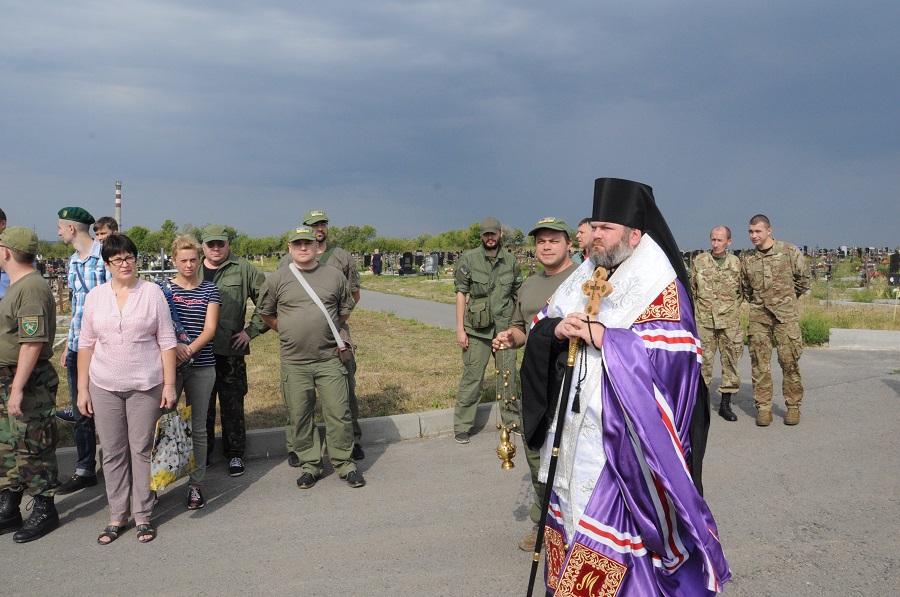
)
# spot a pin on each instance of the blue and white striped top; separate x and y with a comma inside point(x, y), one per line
point(191, 308)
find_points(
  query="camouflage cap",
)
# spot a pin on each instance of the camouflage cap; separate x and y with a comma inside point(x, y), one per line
point(21, 239)
point(490, 225)
point(314, 216)
point(552, 224)
point(302, 233)
point(213, 232)
point(76, 214)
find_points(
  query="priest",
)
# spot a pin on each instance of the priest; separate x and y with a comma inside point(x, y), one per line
point(626, 513)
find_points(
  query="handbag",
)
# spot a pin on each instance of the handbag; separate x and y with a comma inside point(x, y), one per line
point(172, 456)
point(345, 349)
point(180, 334)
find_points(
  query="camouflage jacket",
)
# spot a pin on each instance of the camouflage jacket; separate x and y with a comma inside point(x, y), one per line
point(237, 280)
point(772, 282)
point(717, 291)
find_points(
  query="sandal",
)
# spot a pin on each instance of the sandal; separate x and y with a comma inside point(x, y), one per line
point(146, 533)
point(111, 532)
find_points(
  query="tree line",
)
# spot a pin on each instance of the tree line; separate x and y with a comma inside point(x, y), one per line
point(356, 239)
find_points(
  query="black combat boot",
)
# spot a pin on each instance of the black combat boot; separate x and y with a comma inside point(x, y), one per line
point(725, 408)
point(10, 516)
point(43, 519)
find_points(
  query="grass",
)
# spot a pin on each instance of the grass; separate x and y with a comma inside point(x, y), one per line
point(403, 367)
point(420, 287)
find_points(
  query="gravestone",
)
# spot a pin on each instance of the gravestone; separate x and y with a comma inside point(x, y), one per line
point(406, 264)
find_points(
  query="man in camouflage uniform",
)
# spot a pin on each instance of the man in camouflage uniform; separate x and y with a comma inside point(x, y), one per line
point(344, 261)
point(716, 287)
point(237, 280)
point(487, 281)
point(28, 384)
point(773, 277)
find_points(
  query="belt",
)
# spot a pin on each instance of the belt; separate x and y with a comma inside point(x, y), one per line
point(8, 371)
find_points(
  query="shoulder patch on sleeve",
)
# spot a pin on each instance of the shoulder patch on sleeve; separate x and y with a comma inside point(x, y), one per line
point(665, 307)
point(30, 326)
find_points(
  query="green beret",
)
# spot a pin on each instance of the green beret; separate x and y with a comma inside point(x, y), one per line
point(557, 224)
point(213, 232)
point(302, 233)
point(76, 214)
point(21, 239)
point(314, 216)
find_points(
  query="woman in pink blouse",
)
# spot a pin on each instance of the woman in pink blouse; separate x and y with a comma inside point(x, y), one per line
point(126, 376)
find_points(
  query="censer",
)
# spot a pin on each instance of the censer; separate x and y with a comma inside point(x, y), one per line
point(504, 360)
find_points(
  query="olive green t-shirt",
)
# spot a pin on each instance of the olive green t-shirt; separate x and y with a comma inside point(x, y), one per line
point(340, 259)
point(303, 330)
point(27, 314)
point(533, 296)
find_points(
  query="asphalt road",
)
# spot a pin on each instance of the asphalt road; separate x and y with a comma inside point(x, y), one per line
point(806, 511)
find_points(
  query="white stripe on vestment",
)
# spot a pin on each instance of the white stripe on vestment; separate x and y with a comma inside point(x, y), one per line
point(616, 540)
point(667, 523)
point(669, 419)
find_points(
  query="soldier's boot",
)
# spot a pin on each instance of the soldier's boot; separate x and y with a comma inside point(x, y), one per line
point(10, 516)
point(529, 541)
point(763, 417)
point(44, 519)
point(792, 417)
point(725, 408)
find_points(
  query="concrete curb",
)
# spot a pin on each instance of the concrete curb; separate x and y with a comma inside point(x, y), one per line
point(841, 339)
point(269, 443)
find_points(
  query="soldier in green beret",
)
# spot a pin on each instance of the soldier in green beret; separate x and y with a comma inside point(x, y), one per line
point(487, 281)
point(28, 384)
point(86, 271)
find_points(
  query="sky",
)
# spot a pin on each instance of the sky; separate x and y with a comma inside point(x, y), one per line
point(424, 116)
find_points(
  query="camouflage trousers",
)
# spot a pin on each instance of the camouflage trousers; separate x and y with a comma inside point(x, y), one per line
point(790, 346)
point(28, 444)
point(729, 343)
point(230, 387)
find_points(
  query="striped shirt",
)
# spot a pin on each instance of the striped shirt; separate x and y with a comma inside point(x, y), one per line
point(93, 272)
point(191, 308)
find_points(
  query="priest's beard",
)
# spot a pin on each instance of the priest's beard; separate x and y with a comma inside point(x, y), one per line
point(612, 256)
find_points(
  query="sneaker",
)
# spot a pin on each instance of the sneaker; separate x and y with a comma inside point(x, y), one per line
point(195, 498)
point(76, 483)
point(293, 460)
point(236, 467)
point(306, 481)
point(354, 479)
point(66, 416)
point(461, 438)
point(357, 453)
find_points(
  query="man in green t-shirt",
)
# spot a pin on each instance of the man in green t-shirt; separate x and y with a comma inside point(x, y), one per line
point(28, 384)
point(552, 243)
point(311, 361)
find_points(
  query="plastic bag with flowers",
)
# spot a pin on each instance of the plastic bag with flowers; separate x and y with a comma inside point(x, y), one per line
point(173, 449)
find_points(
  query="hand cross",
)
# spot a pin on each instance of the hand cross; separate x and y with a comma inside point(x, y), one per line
point(596, 288)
